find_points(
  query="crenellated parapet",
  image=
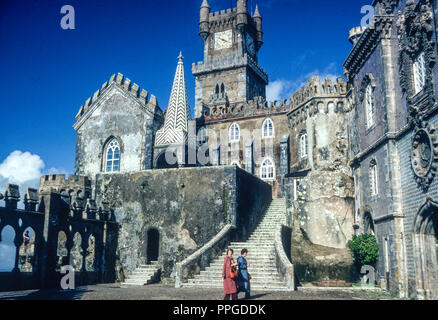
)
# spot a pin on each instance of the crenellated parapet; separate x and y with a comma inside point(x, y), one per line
point(133, 89)
point(316, 88)
point(61, 182)
point(252, 108)
point(317, 97)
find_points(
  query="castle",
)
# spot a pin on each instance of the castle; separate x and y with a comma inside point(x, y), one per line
point(163, 194)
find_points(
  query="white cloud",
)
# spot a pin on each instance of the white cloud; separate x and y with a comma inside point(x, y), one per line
point(25, 170)
point(283, 89)
point(21, 167)
point(279, 89)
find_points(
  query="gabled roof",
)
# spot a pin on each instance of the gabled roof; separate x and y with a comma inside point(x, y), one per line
point(132, 89)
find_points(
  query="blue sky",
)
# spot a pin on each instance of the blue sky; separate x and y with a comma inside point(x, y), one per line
point(47, 73)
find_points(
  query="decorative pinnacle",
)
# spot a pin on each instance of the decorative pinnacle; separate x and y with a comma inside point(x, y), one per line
point(205, 4)
point(180, 57)
point(257, 12)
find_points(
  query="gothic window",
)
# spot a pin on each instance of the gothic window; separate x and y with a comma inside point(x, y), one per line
point(374, 184)
point(267, 170)
point(234, 133)
point(268, 129)
point(303, 145)
point(369, 106)
point(113, 156)
point(419, 72)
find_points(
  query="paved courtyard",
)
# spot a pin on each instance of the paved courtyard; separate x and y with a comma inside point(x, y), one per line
point(167, 292)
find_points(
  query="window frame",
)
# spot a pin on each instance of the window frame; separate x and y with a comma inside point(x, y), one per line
point(266, 130)
point(374, 178)
point(234, 131)
point(304, 145)
point(419, 72)
point(370, 107)
point(113, 145)
point(264, 169)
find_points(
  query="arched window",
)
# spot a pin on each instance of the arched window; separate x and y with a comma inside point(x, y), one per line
point(374, 184)
point(419, 72)
point(268, 129)
point(113, 156)
point(267, 170)
point(234, 133)
point(303, 145)
point(369, 106)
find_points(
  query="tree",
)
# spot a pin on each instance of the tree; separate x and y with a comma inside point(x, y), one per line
point(365, 250)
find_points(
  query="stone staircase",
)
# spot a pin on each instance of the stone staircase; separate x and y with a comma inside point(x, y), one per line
point(143, 275)
point(261, 255)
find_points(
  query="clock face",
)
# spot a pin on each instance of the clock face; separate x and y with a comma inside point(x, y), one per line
point(223, 40)
point(250, 46)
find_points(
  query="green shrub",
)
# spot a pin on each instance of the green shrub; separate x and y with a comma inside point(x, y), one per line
point(365, 250)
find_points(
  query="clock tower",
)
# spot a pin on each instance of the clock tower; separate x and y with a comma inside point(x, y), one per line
point(230, 74)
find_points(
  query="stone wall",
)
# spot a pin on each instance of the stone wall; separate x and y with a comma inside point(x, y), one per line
point(324, 209)
point(116, 114)
point(251, 130)
point(188, 207)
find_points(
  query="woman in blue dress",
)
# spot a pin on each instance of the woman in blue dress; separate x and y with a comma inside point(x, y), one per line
point(243, 276)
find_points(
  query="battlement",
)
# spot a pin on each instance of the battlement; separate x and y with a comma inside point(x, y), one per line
point(226, 62)
point(223, 14)
point(257, 107)
point(76, 204)
point(132, 89)
point(316, 88)
point(355, 34)
point(61, 182)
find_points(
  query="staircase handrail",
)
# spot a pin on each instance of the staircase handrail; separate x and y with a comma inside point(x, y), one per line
point(204, 254)
point(284, 266)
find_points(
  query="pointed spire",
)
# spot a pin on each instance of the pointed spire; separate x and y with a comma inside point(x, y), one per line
point(257, 12)
point(178, 111)
point(205, 4)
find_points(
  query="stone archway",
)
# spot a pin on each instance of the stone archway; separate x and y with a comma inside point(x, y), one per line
point(153, 245)
point(425, 250)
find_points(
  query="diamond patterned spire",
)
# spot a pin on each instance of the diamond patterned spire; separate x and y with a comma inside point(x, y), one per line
point(178, 111)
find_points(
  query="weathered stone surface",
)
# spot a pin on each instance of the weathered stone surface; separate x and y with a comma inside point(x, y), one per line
point(324, 210)
point(313, 262)
point(188, 207)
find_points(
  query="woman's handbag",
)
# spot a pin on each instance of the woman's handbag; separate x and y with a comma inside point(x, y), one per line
point(233, 274)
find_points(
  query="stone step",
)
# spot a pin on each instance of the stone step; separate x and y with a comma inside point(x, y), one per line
point(253, 287)
point(212, 274)
point(254, 282)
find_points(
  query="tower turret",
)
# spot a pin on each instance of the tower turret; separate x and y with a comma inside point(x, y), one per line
point(258, 21)
point(242, 14)
point(204, 22)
